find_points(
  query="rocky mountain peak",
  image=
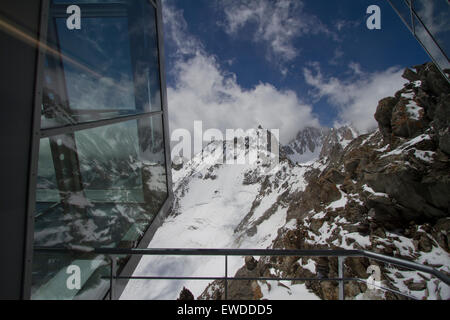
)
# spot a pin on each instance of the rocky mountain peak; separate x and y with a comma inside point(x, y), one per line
point(423, 105)
point(312, 143)
point(306, 146)
point(335, 142)
point(385, 192)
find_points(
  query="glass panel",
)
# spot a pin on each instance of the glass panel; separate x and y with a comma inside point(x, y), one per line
point(436, 17)
point(99, 187)
point(403, 8)
point(432, 47)
point(51, 272)
point(107, 68)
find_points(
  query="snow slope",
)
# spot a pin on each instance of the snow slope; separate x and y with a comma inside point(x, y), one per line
point(218, 206)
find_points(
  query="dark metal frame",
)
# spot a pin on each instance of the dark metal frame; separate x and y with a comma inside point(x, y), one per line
point(412, 29)
point(132, 263)
point(340, 254)
point(19, 31)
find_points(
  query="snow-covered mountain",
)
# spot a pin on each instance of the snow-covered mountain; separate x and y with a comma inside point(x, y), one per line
point(219, 206)
point(385, 192)
point(307, 145)
point(312, 143)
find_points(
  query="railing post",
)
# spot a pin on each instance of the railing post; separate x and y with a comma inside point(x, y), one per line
point(226, 277)
point(341, 277)
point(413, 26)
point(112, 281)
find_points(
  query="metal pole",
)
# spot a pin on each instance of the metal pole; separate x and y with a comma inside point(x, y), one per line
point(413, 26)
point(112, 282)
point(250, 252)
point(226, 277)
point(341, 277)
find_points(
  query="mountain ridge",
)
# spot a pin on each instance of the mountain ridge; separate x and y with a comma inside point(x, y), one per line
point(386, 191)
point(313, 143)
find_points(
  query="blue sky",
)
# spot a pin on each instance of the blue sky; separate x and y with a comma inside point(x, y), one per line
point(284, 64)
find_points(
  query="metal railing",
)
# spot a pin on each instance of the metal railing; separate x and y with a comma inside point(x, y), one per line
point(112, 254)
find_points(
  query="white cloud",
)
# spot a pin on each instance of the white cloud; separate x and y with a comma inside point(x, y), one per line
point(175, 31)
point(357, 97)
point(204, 91)
point(278, 24)
point(337, 57)
point(340, 25)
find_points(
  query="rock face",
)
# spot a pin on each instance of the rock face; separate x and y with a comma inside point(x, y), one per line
point(312, 144)
point(336, 141)
point(307, 145)
point(386, 192)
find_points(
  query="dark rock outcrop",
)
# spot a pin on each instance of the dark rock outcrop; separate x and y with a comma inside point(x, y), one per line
point(384, 116)
point(186, 295)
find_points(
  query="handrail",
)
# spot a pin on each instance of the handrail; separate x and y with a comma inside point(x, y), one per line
point(408, 264)
point(341, 254)
point(251, 252)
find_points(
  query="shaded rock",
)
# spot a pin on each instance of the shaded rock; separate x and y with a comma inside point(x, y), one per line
point(334, 176)
point(328, 291)
point(383, 116)
point(440, 232)
point(351, 165)
point(432, 78)
point(415, 286)
point(410, 75)
point(403, 123)
point(251, 263)
point(425, 244)
point(237, 290)
point(186, 295)
point(444, 142)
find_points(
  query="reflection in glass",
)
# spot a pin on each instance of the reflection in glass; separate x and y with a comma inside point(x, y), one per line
point(108, 68)
point(436, 17)
point(429, 21)
point(103, 183)
point(431, 46)
point(50, 276)
point(100, 187)
point(403, 8)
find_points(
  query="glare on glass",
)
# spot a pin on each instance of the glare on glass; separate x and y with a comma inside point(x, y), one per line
point(100, 185)
point(108, 68)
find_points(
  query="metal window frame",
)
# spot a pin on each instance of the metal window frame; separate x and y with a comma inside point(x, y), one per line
point(19, 31)
point(412, 29)
point(38, 134)
point(133, 262)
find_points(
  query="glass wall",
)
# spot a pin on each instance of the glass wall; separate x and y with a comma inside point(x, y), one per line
point(112, 60)
point(428, 21)
point(432, 29)
point(102, 169)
